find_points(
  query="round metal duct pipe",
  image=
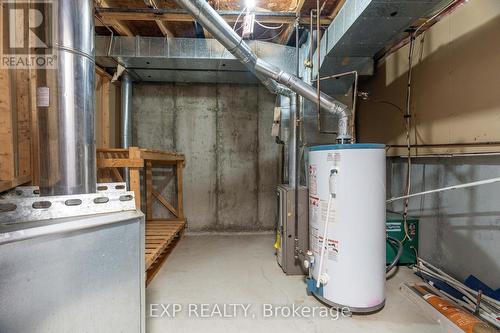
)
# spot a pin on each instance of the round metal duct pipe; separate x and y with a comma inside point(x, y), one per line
point(67, 143)
point(126, 111)
point(266, 72)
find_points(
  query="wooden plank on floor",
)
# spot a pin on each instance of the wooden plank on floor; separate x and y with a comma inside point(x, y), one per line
point(159, 235)
point(158, 263)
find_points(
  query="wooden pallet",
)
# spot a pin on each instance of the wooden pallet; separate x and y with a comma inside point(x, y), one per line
point(161, 237)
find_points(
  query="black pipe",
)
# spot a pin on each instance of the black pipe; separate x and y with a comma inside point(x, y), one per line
point(398, 255)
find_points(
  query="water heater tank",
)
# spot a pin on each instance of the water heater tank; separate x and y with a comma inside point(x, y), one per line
point(350, 270)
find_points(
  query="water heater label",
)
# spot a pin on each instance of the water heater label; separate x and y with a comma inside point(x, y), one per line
point(324, 209)
point(333, 158)
point(333, 249)
point(315, 242)
point(314, 203)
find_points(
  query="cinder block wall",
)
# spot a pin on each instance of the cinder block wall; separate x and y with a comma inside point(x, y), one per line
point(231, 158)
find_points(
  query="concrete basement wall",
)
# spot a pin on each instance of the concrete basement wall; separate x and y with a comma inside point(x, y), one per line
point(231, 158)
point(455, 86)
point(455, 100)
point(459, 229)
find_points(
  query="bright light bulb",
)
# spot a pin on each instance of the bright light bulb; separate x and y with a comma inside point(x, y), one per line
point(250, 4)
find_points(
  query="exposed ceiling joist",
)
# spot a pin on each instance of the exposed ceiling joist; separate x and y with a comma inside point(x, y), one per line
point(119, 26)
point(164, 30)
point(300, 5)
point(289, 29)
point(161, 25)
point(109, 15)
point(336, 9)
point(285, 37)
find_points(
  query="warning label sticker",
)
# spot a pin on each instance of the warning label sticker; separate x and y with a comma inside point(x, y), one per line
point(393, 227)
point(313, 181)
point(315, 240)
point(319, 244)
point(333, 158)
point(324, 209)
point(333, 249)
point(314, 211)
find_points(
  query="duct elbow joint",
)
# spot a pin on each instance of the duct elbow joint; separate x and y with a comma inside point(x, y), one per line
point(344, 129)
point(284, 91)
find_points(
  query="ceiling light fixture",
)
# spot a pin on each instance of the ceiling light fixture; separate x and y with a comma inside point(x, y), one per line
point(250, 4)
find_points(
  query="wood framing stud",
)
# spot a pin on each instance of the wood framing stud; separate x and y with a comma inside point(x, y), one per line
point(134, 176)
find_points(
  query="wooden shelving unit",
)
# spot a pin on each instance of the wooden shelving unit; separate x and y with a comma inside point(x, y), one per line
point(161, 234)
point(16, 107)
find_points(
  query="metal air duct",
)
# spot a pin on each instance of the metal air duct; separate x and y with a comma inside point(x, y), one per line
point(292, 143)
point(126, 116)
point(266, 72)
point(67, 149)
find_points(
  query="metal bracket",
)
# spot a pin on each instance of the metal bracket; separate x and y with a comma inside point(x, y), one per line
point(24, 204)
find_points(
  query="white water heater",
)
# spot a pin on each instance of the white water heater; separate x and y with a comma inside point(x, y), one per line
point(347, 197)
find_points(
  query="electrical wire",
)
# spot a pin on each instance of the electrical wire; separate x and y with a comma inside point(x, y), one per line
point(398, 254)
point(408, 115)
point(111, 37)
point(239, 16)
point(468, 296)
point(489, 308)
point(271, 38)
point(268, 27)
point(234, 27)
point(408, 176)
point(448, 188)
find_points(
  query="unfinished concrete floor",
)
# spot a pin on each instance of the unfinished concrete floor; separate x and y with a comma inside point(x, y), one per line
point(220, 269)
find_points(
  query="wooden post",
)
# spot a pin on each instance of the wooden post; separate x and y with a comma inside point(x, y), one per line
point(105, 112)
point(35, 147)
point(134, 176)
point(180, 204)
point(149, 190)
point(23, 110)
point(7, 170)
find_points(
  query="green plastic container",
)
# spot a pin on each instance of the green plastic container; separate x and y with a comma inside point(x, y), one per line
point(394, 228)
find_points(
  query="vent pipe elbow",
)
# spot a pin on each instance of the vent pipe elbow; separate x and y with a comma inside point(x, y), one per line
point(275, 79)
